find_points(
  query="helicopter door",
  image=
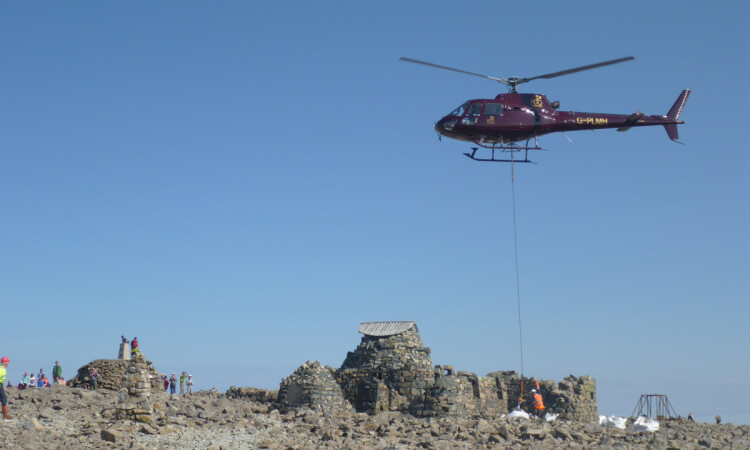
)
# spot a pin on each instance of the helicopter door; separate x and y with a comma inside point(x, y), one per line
point(472, 114)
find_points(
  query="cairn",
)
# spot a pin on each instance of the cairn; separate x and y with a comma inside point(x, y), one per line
point(134, 396)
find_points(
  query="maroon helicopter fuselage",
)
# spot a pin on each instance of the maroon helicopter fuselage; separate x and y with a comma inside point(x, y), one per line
point(516, 117)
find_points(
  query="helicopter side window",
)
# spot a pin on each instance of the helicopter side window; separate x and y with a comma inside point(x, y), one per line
point(473, 112)
point(493, 109)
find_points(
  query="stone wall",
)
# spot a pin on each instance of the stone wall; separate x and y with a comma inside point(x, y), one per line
point(253, 394)
point(574, 398)
point(464, 393)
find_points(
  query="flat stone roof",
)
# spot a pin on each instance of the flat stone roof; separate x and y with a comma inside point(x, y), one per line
point(385, 328)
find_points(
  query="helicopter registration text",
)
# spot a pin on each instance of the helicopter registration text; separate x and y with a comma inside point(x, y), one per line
point(592, 120)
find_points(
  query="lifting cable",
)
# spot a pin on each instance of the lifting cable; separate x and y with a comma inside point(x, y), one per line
point(518, 283)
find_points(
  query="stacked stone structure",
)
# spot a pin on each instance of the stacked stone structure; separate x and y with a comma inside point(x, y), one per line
point(313, 386)
point(135, 380)
point(134, 396)
point(112, 371)
point(391, 370)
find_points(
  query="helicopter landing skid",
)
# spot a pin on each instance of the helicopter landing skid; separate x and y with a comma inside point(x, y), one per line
point(503, 148)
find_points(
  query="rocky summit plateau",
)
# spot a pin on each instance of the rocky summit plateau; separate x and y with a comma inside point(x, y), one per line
point(387, 394)
point(62, 417)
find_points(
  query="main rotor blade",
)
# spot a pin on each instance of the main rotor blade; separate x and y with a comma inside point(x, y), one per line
point(579, 69)
point(501, 80)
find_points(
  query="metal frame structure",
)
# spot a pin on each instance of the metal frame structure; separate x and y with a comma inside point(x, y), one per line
point(654, 403)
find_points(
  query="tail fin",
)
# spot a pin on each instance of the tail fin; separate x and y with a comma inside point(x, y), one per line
point(676, 110)
point(674, 114)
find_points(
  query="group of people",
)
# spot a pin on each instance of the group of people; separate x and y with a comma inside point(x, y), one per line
point(41, 380)
point(30, 380)
point(186, 383)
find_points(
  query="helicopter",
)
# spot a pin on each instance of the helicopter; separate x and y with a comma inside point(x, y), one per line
point(503, 124)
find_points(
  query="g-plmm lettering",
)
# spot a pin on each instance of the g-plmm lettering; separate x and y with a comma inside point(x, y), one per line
point(592, 120)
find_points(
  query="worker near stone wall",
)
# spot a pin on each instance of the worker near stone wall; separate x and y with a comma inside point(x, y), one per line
point(538, 403)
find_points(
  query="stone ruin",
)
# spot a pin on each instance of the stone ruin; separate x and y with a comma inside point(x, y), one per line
point(391, 370)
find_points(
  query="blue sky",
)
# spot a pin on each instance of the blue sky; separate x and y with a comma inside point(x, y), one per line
point(240, 184)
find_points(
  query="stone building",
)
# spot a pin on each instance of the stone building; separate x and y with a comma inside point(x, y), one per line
point(391, 370)
point(313, 386)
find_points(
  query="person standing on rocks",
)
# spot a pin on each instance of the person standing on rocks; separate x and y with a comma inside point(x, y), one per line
point(690, 417)
point(134, 346)
point(4, 361)
point(538, 403)
point(718, 419)
point(183, 378)
point(94, 376)
point(172, 383)
point(56, 371)
point(190, 384)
